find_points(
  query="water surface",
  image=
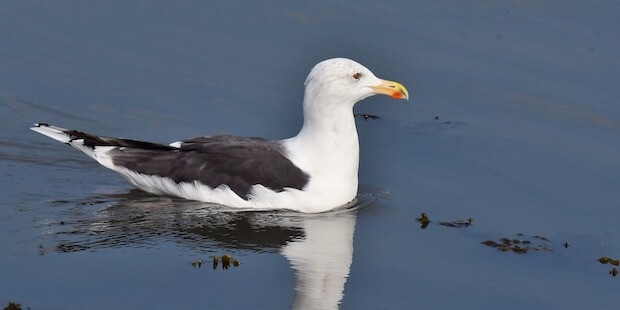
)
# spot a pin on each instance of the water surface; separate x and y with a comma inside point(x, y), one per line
point(514, 121)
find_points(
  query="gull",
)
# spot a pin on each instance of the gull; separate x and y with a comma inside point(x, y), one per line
point(314, 171)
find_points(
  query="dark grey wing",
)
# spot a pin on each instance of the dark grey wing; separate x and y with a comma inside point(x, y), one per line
point(92, 141)
point(238, 162)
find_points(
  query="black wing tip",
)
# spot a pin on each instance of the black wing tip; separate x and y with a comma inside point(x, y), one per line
point(41, 125)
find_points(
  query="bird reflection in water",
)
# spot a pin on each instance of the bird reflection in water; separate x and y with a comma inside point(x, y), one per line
point(319, 247)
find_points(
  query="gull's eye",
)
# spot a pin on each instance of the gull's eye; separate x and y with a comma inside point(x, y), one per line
point(357, 76)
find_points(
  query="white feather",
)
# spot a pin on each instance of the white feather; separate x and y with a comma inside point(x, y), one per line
point(53, 132)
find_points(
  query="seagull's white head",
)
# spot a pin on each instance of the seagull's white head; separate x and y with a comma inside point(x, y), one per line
point(345, 81)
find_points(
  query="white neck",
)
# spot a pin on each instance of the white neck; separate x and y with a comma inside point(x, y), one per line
point(328, 124)
point(327, 146)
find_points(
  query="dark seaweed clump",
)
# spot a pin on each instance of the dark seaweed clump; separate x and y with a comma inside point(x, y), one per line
point(424, 221)
point(520, 246)
point(607, 260)
point(14, 306)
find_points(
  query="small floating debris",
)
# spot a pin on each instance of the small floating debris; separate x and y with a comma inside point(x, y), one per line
point(604, 260)
point(215, 262)
point(458, 223)
point(446, 122)
point(197, 263)
point(607, 260)
point(566, 245)
point(225, 259)
point(13, 306)
point(490, 243)
point(424, 220)
point(367, 116)
point(517, 245)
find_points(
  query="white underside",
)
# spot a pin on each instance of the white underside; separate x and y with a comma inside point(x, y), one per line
point(260, 198)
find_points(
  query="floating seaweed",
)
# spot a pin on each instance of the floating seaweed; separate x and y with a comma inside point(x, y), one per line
point(225, 261)
point(14, 306)
point(490, 243)
point(458, 223)
point(517, 245)
point(607, 260)
point(424, 220)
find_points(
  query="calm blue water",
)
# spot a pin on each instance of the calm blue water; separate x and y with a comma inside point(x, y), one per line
point(529, 91)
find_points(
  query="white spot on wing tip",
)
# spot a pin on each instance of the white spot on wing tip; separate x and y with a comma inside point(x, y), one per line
point(176, 144)
point(51, 132)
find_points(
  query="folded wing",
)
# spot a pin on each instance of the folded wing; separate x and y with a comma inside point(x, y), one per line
point(237, 162)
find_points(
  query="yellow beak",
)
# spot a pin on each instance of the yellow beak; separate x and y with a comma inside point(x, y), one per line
point(392, 89)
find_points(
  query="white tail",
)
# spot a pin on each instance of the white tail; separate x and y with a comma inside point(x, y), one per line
point(53, 132)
